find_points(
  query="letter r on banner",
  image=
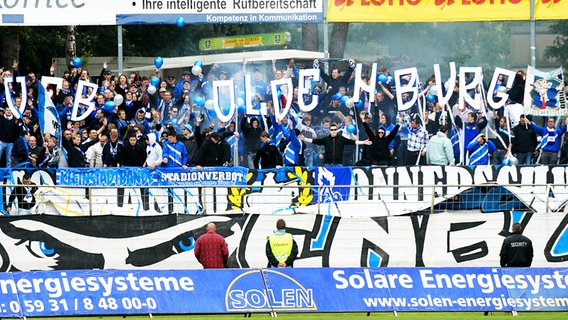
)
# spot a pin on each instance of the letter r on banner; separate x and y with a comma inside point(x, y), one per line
point(475, 84)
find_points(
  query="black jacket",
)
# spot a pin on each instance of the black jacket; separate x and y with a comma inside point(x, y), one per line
point(516, 251)
point(268, 156)
point(525, 139)
point(132, 156)
point(20, 193)
point(213, 154)
point(333, 148)
point(379, 152)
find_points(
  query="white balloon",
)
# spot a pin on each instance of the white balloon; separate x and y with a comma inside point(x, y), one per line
point(240, 101)
point(151, 89)
point(433, 90)
point(350, 104)
point(209, 104)
point(118, 99)
point(196, 70)
point(514, 160)
point(502, 89)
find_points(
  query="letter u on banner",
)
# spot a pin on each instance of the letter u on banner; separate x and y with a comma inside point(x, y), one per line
point(15, 111)
point(443, 99)
point(229, 86)
point(411, 87)
point(477, 80)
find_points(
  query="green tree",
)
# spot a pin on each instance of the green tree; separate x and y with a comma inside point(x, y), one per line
point(559, 50)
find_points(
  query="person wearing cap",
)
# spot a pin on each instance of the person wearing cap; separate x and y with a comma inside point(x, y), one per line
point(336, 111)
point(551, 140)
point(479, 150)
point(281, 248)
point(105, 74)
point(417, 142)
point(524, 142)
point(378, 153)
point(9, 133)
point(188, 139)
point(440, 150)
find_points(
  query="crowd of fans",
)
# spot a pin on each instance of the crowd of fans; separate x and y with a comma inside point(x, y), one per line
point(170, 125)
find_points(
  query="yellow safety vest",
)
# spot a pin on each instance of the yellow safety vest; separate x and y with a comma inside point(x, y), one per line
point(281, 246)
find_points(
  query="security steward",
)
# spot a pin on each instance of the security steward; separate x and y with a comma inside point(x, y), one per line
point(517, 250)
point(281, 248)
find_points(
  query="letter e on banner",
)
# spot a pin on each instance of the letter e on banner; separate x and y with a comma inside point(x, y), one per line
point(409, 87)
point(277, 93)
point(464, 97)
point(361, 85)
point(304, 87)
point(86, 101)
point(217, 85)
point(491, 93)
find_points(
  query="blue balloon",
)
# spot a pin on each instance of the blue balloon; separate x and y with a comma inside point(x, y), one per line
point(198, 63)
point(344, 99)
point(77, 63)
point(382, 78)
point(351, 128)
point(180, 22)
point(241, 109)
point(158, 62)
point(155, 81)
point(359, 104)
point(337, 96)
point(226, 110)
point(109, 106)
point(506, 162)
point(212, 112)
point(199, 101)
point(430, 97)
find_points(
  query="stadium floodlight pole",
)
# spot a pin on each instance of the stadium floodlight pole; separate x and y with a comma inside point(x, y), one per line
point(325, 31)
point(533, 36)
point(120, 53)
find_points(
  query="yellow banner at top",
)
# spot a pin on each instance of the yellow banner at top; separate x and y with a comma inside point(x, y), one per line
point(443, 10)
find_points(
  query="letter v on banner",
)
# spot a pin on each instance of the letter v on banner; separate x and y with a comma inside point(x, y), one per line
point(304, 86)
point(444, 98)
point(475, 84)
point(281, 114)
point(361, 85)
point(86, 101)
point(251, 111)
point(15, 111)
point(410, 87)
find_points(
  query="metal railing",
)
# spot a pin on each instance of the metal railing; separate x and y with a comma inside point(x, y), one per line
point(357, 200)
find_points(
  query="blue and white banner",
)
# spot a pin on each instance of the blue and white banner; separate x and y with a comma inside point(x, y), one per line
point(144, 177)
point(107, 292)
point(112, 12)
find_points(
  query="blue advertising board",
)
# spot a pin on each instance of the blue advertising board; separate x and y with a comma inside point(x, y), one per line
point(106, 292)
point(144, 177)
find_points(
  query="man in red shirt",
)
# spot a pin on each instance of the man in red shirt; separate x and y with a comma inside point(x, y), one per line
point(211, 249)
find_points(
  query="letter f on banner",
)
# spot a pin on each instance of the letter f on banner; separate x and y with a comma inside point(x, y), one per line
point(86, 101)
point(411, 87)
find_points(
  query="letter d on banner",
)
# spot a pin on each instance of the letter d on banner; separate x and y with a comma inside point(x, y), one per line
point(86, 101)
point(411, 87)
